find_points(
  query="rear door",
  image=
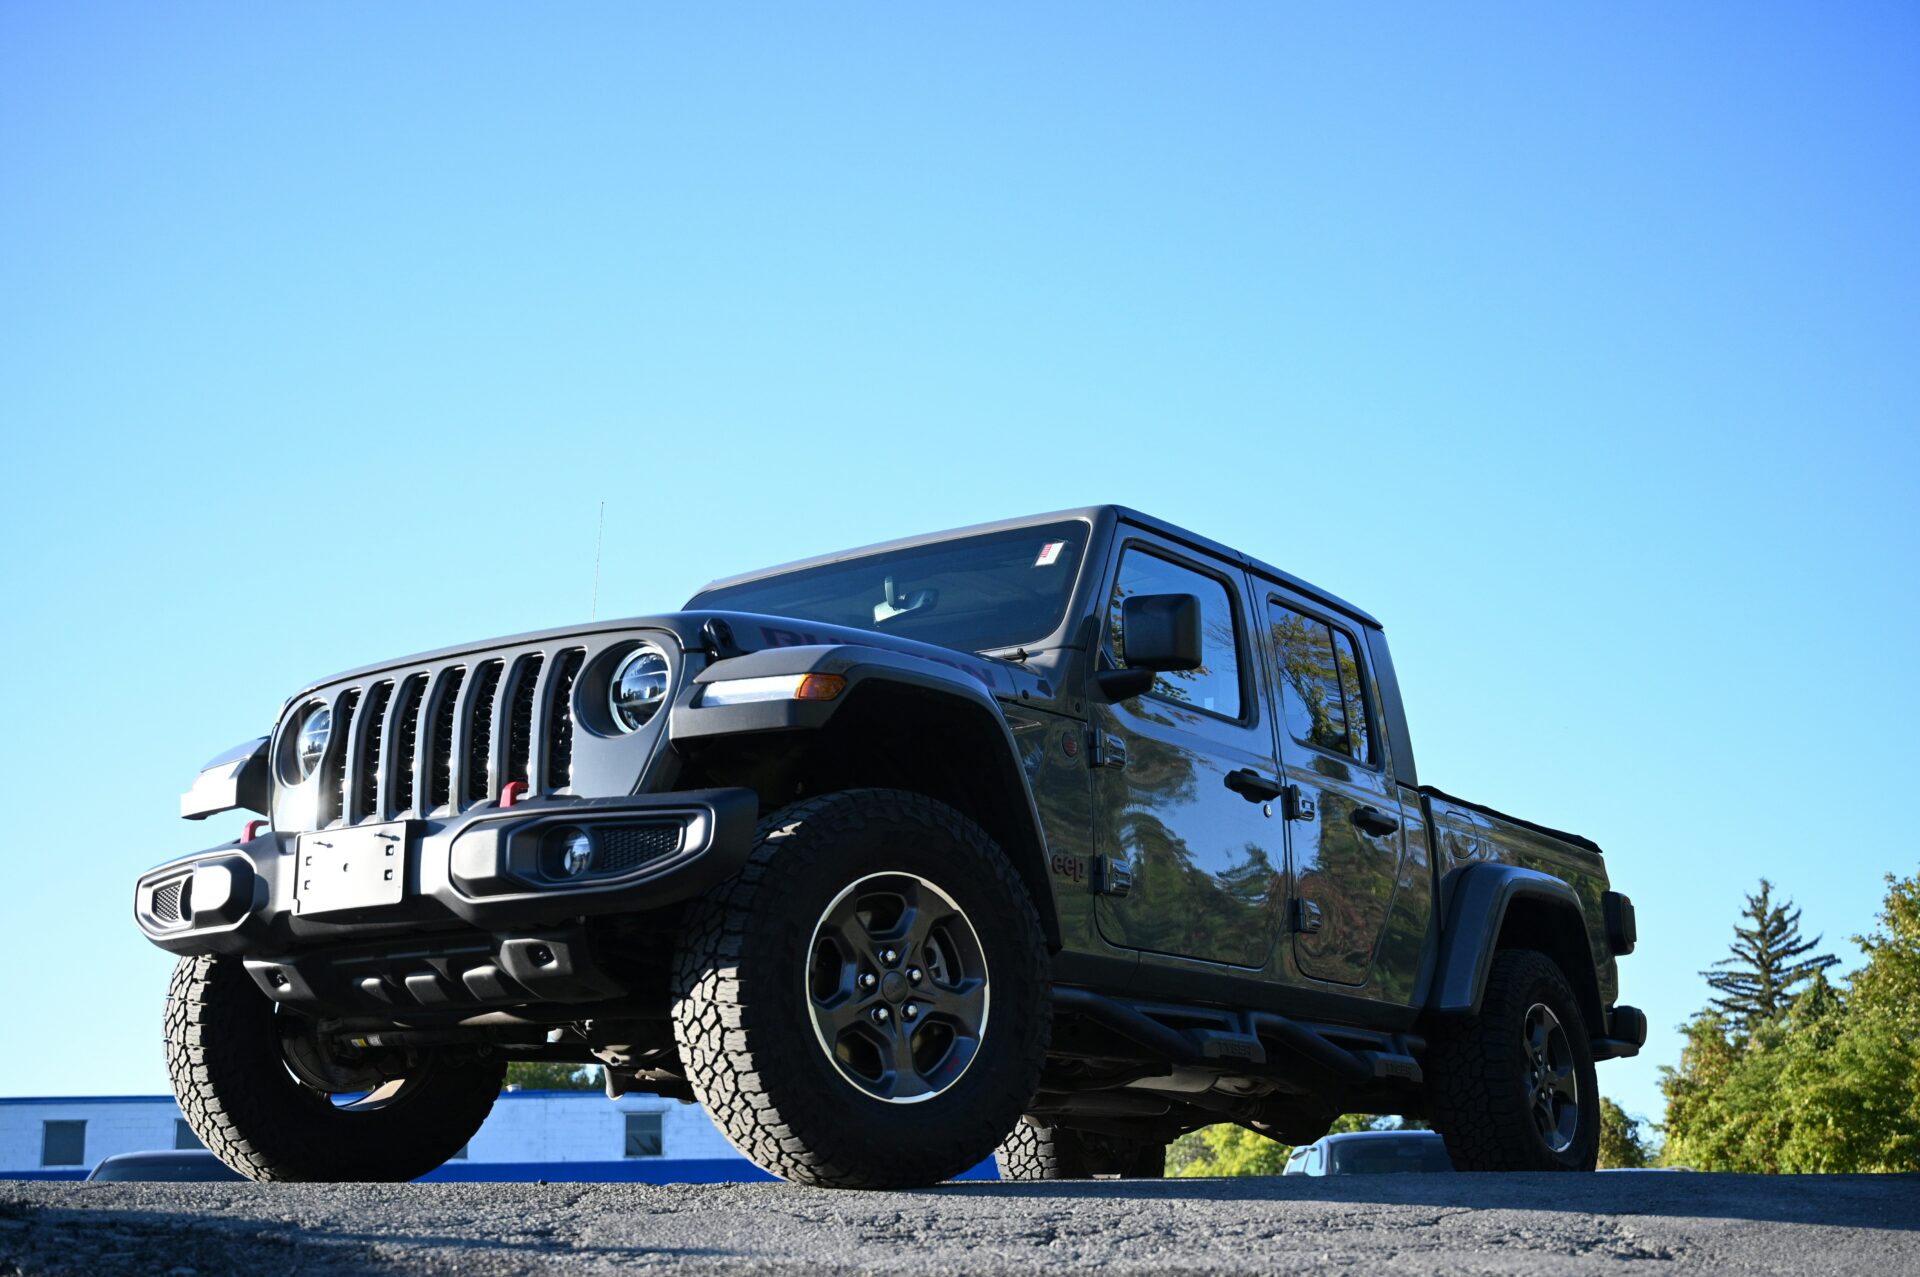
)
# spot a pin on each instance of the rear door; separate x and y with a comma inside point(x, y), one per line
point(1205, 862)
point(1346, 855)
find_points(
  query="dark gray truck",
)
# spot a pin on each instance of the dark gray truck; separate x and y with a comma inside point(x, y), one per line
point(1061, 836)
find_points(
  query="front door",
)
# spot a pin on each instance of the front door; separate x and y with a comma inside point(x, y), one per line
point(1346, 857)
point(1205, 861)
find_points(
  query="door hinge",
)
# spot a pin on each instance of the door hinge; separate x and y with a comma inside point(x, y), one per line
point(1295, 804)
point(1111, 877)
point(1104, 749)
point(1306, 915)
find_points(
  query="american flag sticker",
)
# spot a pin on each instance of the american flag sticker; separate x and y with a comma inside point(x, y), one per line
point(1049, 553)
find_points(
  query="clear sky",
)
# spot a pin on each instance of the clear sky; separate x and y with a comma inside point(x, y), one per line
point(1579, 345)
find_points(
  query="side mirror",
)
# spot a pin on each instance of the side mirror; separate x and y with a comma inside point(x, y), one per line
point(1158, 633)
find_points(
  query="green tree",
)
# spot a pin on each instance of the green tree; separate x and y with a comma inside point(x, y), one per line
point(1621, 1144)
point(1767, 964)
point(1831, 1085)
point(544, 1075)
point(1226, 1149)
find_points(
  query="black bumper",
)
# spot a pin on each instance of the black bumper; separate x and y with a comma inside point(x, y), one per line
point(475, 872)
point(1626, 1034)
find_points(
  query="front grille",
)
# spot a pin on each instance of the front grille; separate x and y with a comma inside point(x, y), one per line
point(623, 847)
point(445, 737)
point(166, 902)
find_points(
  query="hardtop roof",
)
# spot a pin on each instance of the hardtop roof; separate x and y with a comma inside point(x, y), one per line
point(1096, 515)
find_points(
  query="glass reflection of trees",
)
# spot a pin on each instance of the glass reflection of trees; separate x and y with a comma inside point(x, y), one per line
point(1215, 685)
point(1320, 684)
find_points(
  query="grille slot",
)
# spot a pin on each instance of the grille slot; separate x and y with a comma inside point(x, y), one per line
point(520, 719)
point(624, 847)
point(480, 732)
point(333, 782)
point(407, 741)
point(366, 790)
point(559, 773)
point(166, 903)
point(440, 790)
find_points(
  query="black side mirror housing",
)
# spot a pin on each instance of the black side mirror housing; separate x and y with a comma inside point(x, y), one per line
point(1158, 633)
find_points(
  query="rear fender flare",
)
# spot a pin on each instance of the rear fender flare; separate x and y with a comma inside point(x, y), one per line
point(1479, 900)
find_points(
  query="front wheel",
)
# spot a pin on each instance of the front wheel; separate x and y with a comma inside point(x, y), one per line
point(865, 1005)
point(1514, 1089)
point(274, 1103)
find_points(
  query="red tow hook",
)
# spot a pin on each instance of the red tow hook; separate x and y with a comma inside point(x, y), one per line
point(252, 830)
point(510, 793)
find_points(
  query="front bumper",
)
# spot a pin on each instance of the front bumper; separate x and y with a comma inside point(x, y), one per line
point(460, 874)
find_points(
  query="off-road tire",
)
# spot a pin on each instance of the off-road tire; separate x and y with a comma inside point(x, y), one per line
point(1035, 1152)
point(1477, 1074)
point(741, 1009)
point(223, 1055)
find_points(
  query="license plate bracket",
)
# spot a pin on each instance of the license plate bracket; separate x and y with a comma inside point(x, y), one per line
point(360, 868)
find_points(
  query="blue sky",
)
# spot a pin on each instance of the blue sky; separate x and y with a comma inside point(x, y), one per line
point(1576, 344)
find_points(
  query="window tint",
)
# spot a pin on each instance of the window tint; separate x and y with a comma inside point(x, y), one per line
point(1215, 686)
point(63, 1143)
point(1320, 684)
point(643, 1135)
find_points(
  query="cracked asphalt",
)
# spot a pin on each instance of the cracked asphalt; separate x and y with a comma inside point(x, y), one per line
point(1418, 1224)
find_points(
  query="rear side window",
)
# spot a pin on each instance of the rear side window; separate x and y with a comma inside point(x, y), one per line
point(1215, 686)
point(1321, 692)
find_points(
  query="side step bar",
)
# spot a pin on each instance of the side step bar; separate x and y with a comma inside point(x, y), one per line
point(1214, 1046)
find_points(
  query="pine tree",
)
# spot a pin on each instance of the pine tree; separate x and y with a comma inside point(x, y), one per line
point(1767, 965)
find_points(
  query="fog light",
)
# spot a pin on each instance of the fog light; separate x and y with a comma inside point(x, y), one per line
point(569, 853)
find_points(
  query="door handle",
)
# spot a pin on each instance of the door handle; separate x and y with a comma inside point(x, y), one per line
point(1252, 786)
point(1371, 820)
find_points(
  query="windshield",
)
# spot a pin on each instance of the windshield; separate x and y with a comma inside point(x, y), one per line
point(974, 594)
point(1389, 1156)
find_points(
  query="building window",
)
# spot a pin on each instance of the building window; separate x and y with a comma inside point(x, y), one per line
point(643, 1135)
point(63, 1143)
point(183, 1136)
point(459, 1154)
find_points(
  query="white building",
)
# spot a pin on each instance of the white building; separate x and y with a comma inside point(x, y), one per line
point(551, 1135)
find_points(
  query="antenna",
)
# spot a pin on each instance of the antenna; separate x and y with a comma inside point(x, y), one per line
point(593, 614)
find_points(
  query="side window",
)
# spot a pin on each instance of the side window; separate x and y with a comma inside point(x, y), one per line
point(1215, 686)
point(1320, 685)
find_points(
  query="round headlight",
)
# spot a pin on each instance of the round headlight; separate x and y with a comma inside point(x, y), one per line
point(569, 853)
point(639, 686)
point(310, 741)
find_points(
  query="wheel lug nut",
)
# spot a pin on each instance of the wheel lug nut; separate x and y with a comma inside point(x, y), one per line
point(879, 1015)
point(868, 979)
point(910, 1011)
point(889, 957)
point(913, 974)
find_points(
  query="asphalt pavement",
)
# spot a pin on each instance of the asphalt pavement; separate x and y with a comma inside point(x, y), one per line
point(1405, 1225)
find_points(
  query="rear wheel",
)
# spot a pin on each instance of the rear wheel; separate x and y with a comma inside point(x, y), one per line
point(274, 1103)
point(1034, 1151)
point(864, 1006)
point(1514, 1088)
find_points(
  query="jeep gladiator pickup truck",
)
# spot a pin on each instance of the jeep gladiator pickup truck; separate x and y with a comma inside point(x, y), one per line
point(1059, 836)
